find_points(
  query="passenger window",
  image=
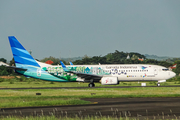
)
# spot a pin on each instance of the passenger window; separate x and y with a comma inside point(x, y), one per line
point(165, 69)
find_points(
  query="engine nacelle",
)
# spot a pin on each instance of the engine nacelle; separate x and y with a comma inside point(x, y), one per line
point(109, 81)
point(79, 79)
point(160, 81)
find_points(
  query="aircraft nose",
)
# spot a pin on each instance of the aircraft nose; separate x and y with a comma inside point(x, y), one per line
point(173, 74)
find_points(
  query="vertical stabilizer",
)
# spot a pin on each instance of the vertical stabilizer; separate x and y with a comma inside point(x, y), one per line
point(20, 54)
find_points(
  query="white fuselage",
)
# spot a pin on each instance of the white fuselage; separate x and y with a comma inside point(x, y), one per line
point(129, 72)
point(134, 72)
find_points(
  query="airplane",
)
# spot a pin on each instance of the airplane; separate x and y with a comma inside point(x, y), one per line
point(110, 74)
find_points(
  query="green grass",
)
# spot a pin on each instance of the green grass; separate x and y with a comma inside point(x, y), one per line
point(39, 101)
point(12, 84)
point(135, 91)
point(28, 97)
point(31, 83)
point(53, 117)
point(20, 98)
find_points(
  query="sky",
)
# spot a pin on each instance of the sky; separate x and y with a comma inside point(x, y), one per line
point(72, 28)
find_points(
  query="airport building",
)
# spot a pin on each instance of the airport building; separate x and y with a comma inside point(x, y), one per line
point(2, 63)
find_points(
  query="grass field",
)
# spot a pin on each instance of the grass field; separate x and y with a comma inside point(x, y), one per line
point(20, 98)
point(51, 97)
point(28, 97)
point(31, 83)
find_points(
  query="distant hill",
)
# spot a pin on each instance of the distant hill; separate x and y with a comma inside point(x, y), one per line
point(162, 58)
point(112, 58)
point(72, 59)
point(159, 58)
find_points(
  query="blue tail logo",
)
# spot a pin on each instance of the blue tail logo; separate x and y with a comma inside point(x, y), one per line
point(143, 67)
point(20, 54)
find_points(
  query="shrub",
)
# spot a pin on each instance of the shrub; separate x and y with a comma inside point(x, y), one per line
point(1, 79)
point(51, 82)
point(11, 82)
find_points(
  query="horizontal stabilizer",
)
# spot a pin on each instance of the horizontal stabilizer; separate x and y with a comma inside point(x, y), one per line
point(16, 68)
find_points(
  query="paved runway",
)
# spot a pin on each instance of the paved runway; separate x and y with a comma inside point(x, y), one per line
point(115, 107)
point(86, 87)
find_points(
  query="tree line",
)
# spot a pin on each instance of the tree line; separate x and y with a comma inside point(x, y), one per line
point(120, 58)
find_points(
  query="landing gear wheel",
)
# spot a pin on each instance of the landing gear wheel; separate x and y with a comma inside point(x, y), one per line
point(158, 84)
point(91, 85)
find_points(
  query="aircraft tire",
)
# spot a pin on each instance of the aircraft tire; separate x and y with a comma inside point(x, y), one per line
point(158, 84)
point(91, 85)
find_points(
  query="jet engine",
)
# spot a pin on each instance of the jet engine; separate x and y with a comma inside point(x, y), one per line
point(109, 81)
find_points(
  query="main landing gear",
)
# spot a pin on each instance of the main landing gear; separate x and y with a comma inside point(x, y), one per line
point(91, 85)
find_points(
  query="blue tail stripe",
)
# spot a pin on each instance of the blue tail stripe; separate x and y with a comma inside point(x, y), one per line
point(22, 60)
point(19, 52)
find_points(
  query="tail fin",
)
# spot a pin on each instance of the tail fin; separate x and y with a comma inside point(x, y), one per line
point(20, 54)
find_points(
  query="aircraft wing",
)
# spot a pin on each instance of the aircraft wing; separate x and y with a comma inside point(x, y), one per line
point(85, 76)
point(88, 77)
point(16, 68)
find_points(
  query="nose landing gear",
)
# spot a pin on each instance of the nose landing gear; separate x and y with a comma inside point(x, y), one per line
point(158, 84)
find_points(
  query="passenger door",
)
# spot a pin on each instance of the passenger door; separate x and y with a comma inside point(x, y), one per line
point(39, 72)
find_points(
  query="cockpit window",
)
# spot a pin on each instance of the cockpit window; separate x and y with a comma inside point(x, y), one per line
point(165, 69)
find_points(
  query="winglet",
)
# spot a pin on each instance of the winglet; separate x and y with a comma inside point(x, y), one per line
point(64, 67)
point(71, 63)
